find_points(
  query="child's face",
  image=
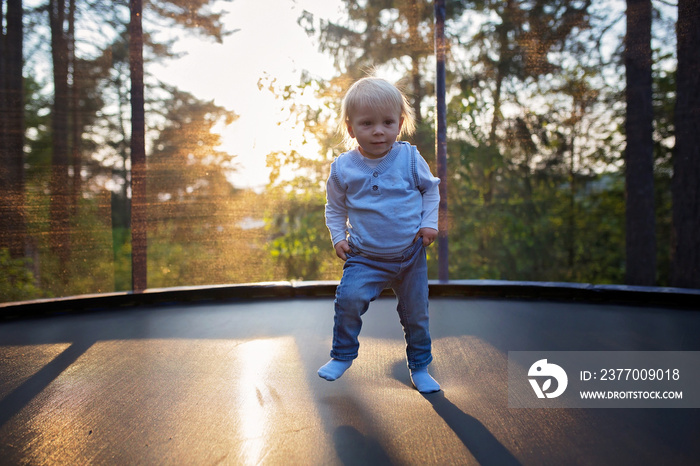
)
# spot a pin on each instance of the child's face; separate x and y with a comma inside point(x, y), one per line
point(375, 130)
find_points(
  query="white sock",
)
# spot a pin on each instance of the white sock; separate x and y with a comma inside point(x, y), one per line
point(333, 369)
point(423, 382)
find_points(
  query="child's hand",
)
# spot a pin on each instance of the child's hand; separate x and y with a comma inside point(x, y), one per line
point(428, 235)
point(341, 249)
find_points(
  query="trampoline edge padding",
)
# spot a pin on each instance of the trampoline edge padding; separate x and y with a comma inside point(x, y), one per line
point(555, 291)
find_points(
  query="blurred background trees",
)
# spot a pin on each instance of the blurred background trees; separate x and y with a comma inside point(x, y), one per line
point(544, 97)
point(542, 184)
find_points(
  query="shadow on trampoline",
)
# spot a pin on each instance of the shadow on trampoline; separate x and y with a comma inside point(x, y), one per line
point(21, 396)
point(354, 448)
point(481, 443)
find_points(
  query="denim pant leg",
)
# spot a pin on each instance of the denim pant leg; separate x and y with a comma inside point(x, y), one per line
point(362, 283)
point(411, 288)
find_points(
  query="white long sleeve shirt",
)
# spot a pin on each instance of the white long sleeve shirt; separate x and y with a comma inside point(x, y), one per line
point(379, 205)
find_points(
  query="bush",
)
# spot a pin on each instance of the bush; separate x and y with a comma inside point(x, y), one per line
point(16, 279)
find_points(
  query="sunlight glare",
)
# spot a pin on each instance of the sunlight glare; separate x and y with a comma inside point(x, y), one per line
point(257, 359)
point(271, 47)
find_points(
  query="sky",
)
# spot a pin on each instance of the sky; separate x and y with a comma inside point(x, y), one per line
point(268, 44)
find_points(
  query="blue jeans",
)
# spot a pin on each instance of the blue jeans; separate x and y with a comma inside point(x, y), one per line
point(364, 278)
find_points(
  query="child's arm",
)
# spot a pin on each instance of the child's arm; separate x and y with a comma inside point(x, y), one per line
point(428, 185)
point(336, 216)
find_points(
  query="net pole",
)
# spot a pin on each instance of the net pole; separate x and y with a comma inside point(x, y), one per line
point(441, 139)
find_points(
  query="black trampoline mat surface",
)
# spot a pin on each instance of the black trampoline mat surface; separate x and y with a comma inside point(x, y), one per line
point(236, 383)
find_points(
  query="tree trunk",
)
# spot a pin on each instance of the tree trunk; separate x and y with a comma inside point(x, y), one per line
point(59, 232)
point(76, 159)
point(639, 155)
point(415, 40)
point(138, 151)
point(685, 244)
point(12, 220)
point(121, 201)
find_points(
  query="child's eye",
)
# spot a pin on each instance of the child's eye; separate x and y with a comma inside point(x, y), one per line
point(389, 122)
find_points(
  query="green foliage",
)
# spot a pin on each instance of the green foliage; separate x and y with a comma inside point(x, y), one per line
point(664, 101)
point(17, 282)
point(121, 248)
point(530, 227)
point(299, 240)
point(90, 267)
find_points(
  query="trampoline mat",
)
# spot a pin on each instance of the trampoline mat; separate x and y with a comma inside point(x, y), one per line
point(235, 383)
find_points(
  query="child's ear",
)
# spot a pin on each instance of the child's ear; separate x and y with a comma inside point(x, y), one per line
point(350, 131)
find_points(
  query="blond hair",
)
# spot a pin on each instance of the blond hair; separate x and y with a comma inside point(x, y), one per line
point(377, 94)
